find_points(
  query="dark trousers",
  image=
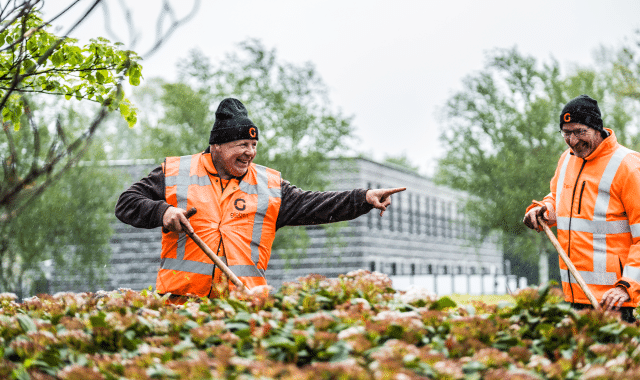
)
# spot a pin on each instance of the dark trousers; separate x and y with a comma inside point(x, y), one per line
point(626, 312)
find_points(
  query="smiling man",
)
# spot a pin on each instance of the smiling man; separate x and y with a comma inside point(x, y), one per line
point(595, 203)
point(240, 205)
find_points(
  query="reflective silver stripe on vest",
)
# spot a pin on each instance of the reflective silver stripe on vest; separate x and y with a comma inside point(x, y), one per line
point(253, 189)
point(186, 181)
point(591, 278)
point(599, 227)
point(264, 193)
point(186, 266)
point(182, 191)
point(607, 227)
point(601, 207)
point(635, 230)
point(631, 272)
point(246, 271)
point(560, 183)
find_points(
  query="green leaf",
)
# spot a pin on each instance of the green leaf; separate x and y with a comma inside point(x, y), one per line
point(280, 342)
point(443, 303)
point(98, 320)
point(26, 323)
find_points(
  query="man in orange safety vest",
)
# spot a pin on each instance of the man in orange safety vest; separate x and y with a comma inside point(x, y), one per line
point(595, 204)
point(240, 205)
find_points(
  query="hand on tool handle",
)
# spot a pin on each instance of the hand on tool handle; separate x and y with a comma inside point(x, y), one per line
point(531, 217)
point(613, 298)
point(381, 198)
point(176, 215)
point(175, 218)
point(572, 268)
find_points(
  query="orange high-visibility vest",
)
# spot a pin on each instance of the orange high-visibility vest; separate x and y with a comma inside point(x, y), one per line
point(596, 204)
point(239, 224)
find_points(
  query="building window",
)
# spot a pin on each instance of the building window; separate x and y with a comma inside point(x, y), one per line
point(418, 216)
point(399, 207)
point(379, 219)
point(450, 220)
point(372, 266)
point(413, 269)
point(370, 214)
point(429, 269)
point(445, 269)
point(392, 226)
point(394, 269)
point(410, 212)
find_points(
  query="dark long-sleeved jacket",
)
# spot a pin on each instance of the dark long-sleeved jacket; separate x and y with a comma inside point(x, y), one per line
point(143, 204)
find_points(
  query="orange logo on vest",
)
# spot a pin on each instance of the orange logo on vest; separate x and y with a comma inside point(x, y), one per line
point(567, 117)
point(252, 132)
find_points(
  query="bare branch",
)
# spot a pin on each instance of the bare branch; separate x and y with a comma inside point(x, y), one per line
point(60, 132)
point(36, 134)
point(80, 145)
point(10, 163)
point(166, 9)
point(133, 36)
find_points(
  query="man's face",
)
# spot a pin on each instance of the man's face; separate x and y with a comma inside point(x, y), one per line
point(232, 159)
point(584, 141)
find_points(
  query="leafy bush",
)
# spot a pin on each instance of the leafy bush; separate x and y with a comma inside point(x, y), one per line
point(352, 327)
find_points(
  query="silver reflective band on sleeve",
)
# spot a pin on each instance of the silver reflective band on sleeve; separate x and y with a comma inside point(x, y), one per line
point(591, 278)
point(631, 272)
point(560, 183)
point(187, 266)
point(595, 227)
point(604, 186)
point(600, 212)
point(635, 230)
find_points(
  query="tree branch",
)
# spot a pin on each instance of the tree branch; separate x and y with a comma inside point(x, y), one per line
point(166, 8)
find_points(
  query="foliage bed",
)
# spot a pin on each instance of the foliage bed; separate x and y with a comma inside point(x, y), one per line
point(352, 327)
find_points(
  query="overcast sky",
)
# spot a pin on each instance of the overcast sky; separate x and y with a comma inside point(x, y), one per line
point(389, 64)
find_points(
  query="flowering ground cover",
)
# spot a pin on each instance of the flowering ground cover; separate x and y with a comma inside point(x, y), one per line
point(352, 327)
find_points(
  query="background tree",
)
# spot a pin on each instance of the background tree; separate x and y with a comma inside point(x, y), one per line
point(402, 161)
point(41, 143)
point(627, 69)
point(299, 130)
point(503, 143)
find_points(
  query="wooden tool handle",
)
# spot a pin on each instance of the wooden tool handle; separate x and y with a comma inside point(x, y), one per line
point(205, 248)
point(583, 285)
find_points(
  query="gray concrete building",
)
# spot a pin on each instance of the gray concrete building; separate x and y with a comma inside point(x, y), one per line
point(423, 234)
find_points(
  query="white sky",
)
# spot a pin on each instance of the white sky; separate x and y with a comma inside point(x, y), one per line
point(391, 65)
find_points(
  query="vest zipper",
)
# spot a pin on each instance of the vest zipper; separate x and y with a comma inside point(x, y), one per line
point(573, 197)
point(580, 199)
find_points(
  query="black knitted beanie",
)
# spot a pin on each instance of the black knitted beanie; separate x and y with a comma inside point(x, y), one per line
point(232, 123)
point(584, 110)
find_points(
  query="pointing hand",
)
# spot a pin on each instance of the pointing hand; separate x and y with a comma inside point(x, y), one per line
point(381, 198)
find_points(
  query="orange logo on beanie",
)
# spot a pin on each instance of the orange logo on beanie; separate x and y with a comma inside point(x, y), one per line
point(567, 117)
point(252, 132)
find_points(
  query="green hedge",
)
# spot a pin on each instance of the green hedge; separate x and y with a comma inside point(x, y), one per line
point(352, 327)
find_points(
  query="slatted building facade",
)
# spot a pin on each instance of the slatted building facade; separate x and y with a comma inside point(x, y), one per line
point(423, 233)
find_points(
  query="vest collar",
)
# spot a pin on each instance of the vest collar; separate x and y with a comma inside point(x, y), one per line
point(606, 147)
